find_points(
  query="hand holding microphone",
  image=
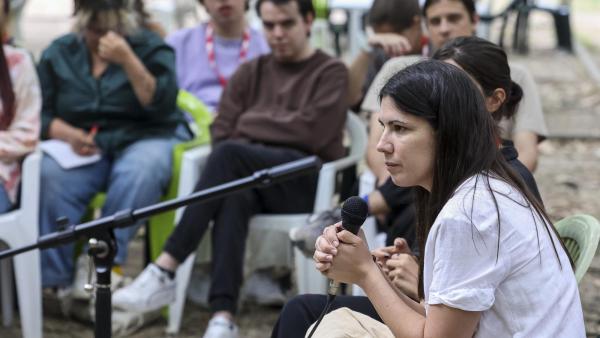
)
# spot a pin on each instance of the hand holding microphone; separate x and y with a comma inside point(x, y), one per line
point(340, 254)
point(341, 241)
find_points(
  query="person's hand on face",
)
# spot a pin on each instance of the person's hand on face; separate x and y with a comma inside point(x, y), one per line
point(113, 48)
point(392, 44)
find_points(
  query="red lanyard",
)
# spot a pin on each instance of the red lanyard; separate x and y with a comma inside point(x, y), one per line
point(210, 51)
point(424, 46)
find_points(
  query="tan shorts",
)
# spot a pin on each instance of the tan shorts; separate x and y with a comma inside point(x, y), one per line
point(345, 323)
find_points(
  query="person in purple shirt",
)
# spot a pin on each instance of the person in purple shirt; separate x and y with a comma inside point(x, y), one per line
point(208, 54)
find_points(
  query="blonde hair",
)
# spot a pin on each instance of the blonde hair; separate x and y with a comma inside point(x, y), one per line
point(125, 20)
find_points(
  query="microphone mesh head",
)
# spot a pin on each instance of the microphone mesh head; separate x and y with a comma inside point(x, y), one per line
point(354, 213)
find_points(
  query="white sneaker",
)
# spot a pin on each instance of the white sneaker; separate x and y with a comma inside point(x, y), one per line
point(221, 327)
point(261, 288)
point(58, 300)
point(151, 290)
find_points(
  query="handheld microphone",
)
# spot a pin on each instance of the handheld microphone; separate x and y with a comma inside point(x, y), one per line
point(354, 213)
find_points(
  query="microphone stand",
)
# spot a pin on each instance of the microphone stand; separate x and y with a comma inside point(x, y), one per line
point(102, 244)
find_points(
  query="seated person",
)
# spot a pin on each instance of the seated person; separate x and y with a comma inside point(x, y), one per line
point(206, 57)
point(487, 65)
point(396, 29)
point(275, 109)
point(109, 88)
point(20, 104)
point(492, 263)
point(208, 54)
point(445, 20)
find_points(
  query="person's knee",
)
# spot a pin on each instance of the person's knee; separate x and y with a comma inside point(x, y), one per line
point(298, 306)
point(52, 175)
point(143, 168)
point(228, 150)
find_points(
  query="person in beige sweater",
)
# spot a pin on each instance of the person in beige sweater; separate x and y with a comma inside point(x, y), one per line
point(20, 105)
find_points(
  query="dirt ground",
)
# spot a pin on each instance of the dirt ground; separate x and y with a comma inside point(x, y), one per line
point(568, 176)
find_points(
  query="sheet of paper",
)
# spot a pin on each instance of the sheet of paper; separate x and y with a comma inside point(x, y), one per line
point(62, 153)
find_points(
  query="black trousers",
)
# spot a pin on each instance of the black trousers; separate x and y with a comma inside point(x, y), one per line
point(228, 161)
point(303, 310)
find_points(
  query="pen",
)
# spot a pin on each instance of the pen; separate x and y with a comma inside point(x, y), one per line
point(94, 129)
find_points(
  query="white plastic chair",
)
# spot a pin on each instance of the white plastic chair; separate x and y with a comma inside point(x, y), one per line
point(172, 14)
point(193, 163)
point(18, 228)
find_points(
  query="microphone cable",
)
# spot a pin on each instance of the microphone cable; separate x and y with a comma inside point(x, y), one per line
point(330, 299)
point(354, 213)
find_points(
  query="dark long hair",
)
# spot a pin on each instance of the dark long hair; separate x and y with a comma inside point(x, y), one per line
point(6, 89)
point(465, 140)
point(488, 64)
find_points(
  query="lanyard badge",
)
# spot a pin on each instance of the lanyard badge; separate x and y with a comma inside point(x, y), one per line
point(210, 51)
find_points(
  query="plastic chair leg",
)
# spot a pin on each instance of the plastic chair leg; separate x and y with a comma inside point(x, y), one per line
point(183, 275)
point(563, 28)
point(6, 291)
point(29, 291)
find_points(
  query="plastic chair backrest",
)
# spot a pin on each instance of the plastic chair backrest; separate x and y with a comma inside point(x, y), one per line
point(19, 227)
point(321, 8)
point(357, 133)
point(581, 234)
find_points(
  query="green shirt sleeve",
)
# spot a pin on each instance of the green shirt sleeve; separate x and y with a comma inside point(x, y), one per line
point(159, 59)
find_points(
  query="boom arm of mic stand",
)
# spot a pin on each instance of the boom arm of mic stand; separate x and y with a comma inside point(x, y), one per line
point(288, 170)
point(102, 228)
point(128, 217)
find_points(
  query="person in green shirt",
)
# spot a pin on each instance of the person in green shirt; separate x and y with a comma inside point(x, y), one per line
point(109, 88)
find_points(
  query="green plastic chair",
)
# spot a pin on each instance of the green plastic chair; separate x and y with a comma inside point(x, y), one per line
point(161, 226)
point(581, 234)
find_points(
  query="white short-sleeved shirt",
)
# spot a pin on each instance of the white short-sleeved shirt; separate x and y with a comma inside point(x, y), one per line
point(519, 287)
